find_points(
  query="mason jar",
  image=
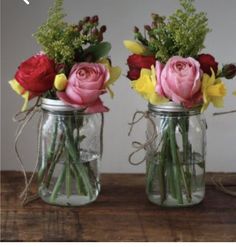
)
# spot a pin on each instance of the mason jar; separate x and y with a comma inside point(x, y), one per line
point(175, 160)
point(69, 155)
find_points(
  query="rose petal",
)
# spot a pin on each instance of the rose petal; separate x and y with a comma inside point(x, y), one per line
point(97, 107)
point(68, 101)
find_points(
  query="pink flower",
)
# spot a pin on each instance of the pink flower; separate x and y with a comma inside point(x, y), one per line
point(180, 81)
point(86, 83)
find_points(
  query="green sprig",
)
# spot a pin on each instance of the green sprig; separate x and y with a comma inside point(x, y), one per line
point(183, 33)
point(66, 43)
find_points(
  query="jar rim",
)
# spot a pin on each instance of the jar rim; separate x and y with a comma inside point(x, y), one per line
point(172, 107)
point(56, 105)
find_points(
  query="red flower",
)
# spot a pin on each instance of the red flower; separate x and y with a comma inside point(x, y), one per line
point(36, 74)
point(207, 62)
point(138, 62)
point(133, 74)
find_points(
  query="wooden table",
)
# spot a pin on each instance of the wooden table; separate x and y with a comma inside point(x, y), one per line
point(121, 213)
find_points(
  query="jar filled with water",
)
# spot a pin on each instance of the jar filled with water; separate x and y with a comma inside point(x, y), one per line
point(175, 160)
point(69, 155)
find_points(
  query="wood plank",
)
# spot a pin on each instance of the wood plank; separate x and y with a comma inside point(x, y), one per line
point(121, 213)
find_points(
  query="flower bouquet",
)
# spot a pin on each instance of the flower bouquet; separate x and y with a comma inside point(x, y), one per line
point(68, 79)
point(168, 70)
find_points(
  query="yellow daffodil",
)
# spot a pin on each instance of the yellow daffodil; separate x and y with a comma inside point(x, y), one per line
point(21, 91)
point(145, 86)
point(213, 90)
point(60, 82)
point(234, 93)
point(135, 47)
point(115, 73)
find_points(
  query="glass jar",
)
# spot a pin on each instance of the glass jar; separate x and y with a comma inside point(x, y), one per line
point(175, 160)
point(69, 155)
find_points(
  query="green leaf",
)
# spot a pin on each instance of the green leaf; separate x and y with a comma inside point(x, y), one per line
point(99, 51)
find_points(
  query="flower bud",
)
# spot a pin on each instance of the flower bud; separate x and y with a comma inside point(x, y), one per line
point(103, 29)
point(95, 19)
point(136, 29)
point(86, 19)
point(60, 82)
point(229, 71)
point(148, 28)
point(154, 16)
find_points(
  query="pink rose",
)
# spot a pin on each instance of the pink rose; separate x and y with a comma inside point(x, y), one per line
point(86, 83)
point(180, 81)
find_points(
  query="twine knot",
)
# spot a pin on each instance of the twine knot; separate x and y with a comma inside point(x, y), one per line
point(137, 117)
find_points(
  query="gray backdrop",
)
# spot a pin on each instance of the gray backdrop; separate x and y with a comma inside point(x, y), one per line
point(19, 21)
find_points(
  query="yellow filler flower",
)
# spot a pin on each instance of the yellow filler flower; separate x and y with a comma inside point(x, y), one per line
point(135, 47)
point(213, 90)
point(60, 82)
point(145, 86)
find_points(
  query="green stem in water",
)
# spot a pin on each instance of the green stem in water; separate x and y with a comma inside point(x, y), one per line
point(51, 152)
point(54, 162)
point(79, 182)
point(186, 175)
point(68, 177)
point(58, 185)
point(176, 164)
point(75, 157)
point(162, 168)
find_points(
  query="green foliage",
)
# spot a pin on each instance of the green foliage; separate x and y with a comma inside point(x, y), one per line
point(98, 51)
point(183, 33)
point(66, 43)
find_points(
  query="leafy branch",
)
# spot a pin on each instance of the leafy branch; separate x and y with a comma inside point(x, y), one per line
point(66, 44)
point(183, 33)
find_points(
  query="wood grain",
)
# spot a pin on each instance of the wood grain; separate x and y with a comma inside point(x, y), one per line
point(121, 213)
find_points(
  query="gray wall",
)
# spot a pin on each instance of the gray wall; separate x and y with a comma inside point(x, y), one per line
point(19, 21)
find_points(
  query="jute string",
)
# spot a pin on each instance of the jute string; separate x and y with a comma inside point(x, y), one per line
point(224, 113)
point(137, 117)
point(23, 118)
point(218, 182)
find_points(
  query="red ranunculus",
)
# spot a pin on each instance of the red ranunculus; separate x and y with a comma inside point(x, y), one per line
point(138, 62)
point(207, 62)
point(36, 74)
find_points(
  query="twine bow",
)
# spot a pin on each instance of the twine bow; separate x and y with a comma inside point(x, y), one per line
point(137, 145)
point(23, 118)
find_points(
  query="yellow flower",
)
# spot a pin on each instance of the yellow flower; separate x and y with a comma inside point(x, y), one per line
point(213, 90)
point(234, 93)
point(145, 86)
point(60, 82)
point(21, 91)
point(115, 73)
point(135, 47)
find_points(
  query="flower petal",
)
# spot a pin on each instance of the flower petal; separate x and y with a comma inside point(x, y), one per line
point(135, 47)
point(97, 107)
point(68, 101)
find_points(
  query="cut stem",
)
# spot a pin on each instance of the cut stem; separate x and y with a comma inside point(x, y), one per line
point(176, 164)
